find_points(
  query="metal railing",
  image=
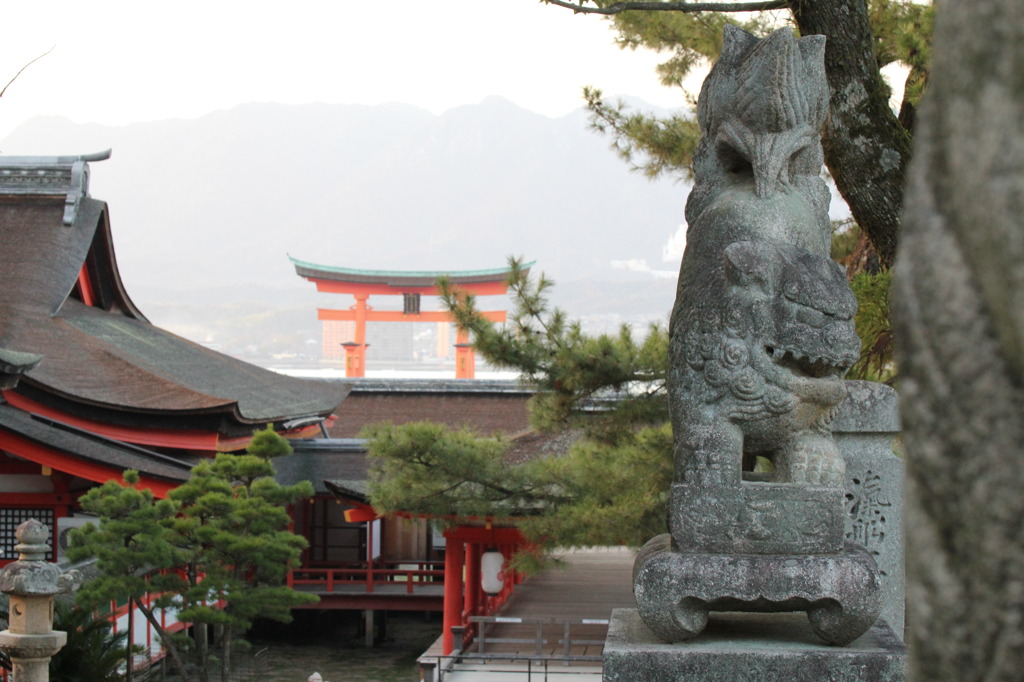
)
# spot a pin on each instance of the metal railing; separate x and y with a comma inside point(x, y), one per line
point(539, 668)
point(433, 668)
point(538, 639)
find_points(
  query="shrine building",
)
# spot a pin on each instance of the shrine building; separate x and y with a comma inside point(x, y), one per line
point(89, 386)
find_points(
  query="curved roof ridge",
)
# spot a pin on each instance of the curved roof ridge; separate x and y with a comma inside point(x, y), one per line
point(361, 272)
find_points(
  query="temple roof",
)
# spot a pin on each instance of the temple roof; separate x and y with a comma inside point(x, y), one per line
point(484, 406)
point(400, 278)
point(85, 454)
point(323, 460)
point(99, 354)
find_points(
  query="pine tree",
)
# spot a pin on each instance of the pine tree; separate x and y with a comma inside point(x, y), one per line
point(233, 524)
point(867, 145)
point(217, 551)
point(131, 540)
point(607, 391)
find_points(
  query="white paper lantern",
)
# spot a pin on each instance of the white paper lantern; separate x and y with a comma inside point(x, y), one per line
point(492, 575)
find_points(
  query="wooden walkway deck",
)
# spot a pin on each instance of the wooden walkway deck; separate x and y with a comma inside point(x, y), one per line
point(587, 587)
point(592, 583)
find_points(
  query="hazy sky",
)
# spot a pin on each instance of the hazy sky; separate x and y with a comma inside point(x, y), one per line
point(116, 62)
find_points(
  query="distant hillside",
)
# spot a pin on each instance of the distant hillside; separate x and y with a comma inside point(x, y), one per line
point(204, 211)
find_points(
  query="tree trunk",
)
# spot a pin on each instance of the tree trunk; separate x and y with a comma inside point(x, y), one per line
point(866, 148)
point(129, 665)
point(202, 634)
point(960, 320)
point(225, 659)
point(201, 631)
point(165, 639)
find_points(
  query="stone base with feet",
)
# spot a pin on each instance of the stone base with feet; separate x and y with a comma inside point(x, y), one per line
point(675, 591)
point(749, 646)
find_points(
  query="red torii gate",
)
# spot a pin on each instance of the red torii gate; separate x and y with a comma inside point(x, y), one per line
point(411, 285)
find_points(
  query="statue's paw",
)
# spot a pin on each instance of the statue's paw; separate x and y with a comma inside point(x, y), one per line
point(815, 460)
point(829, 473)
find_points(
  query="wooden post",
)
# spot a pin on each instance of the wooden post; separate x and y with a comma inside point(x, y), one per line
point(369, 556)
point(454, 557)
point(368, 627)
point(465, 356)
point(472, 588)
point(355, 353)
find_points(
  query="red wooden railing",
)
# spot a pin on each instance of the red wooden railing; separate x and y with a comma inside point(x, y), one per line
point(412, 574)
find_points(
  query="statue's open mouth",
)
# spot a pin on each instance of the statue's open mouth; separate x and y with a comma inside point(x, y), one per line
point(815, 367)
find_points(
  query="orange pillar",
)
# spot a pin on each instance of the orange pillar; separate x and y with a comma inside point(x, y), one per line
point(465, 358)
point(355, 353)
point(454, 557)
point(352, 359)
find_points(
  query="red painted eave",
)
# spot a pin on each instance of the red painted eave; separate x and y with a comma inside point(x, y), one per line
point(185, 439)
point(179, 439)
point(61, 461)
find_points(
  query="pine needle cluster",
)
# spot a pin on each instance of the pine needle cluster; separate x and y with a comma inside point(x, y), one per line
point(607, 392)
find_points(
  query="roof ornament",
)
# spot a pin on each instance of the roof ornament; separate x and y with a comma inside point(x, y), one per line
point(50, 175)
point(13, 364)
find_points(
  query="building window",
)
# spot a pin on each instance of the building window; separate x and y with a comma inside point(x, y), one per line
point(11, 518)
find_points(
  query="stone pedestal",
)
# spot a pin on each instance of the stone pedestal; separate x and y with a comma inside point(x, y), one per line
point(676, 591)
point(746, 647)
point(864, 429)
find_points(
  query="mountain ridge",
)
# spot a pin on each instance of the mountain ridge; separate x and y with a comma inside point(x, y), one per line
point(216, 203)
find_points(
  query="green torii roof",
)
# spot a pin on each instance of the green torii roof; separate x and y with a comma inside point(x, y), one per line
point(399, 277)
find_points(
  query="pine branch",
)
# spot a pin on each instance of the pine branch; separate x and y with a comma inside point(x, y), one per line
point(525, 493)
point(619, 7)
point(649, 144)
point(23, 68)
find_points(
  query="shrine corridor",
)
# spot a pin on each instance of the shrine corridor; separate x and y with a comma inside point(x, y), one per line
point(576, 597)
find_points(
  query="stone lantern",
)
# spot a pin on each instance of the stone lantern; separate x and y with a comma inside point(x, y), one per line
point(31, 583)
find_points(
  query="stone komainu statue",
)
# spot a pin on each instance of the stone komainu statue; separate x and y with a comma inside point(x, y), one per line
point(762, 329)
point(761, 336)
